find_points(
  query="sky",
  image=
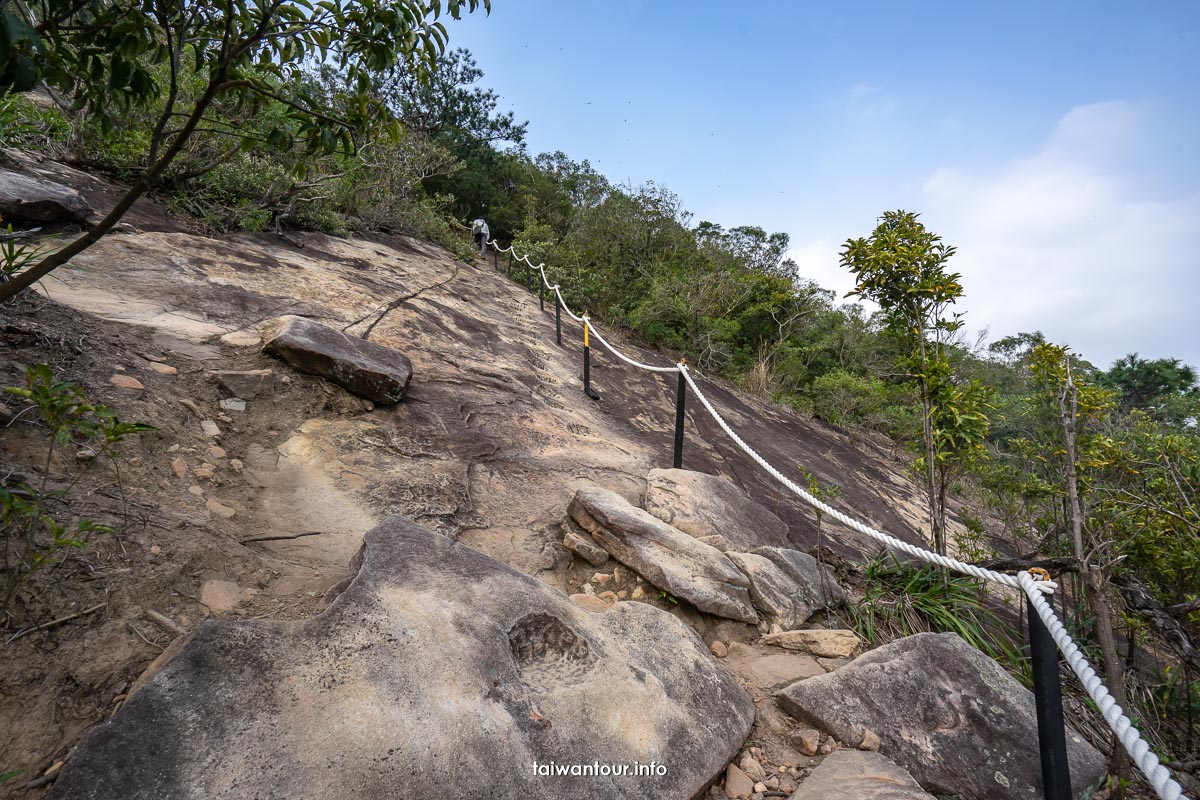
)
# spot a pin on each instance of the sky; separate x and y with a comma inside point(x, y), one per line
point(1055, 145)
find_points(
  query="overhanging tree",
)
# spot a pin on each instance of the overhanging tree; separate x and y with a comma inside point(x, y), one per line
point(103, 55)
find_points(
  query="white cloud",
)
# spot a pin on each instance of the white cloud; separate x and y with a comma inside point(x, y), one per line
point(1068, 241)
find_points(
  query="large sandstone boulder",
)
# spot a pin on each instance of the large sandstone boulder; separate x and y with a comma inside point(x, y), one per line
point(709, 505)
point(34, 200)
point(439, 672)
point(816, 580)
point(671, 560)
point(859, 775)
point(787, 586)
point(367, 369)
point(945, 712)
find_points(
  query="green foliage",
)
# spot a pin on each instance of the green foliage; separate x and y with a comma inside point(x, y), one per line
point(902, 267)
point(1163, 386)
point(34, 532)
point(847, 400)
point(197, 68)
point(901, 600)
point(14, 256)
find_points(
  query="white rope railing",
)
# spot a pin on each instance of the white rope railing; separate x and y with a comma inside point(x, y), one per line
point(847, 520)
point(622, 356)
point(1036, 589)
point(1139, 750)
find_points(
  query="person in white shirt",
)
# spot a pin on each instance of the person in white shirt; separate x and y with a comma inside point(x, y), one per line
point(480, 233)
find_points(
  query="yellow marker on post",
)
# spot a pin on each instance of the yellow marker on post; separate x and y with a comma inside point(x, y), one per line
point(587, 364)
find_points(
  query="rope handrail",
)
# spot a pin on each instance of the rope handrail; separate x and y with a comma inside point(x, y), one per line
point(1034, 588)
point(1139, 750)
point(846, 519)
point(622, 356)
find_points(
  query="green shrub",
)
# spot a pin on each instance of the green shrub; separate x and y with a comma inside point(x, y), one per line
point(901, 600)
point(847, 400)
point(35, 524)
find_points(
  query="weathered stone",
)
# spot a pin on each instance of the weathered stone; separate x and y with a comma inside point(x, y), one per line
point(580, 542)
point(34, 200)
point(361, 367)
point(749, 765)
point(233, 404)
point(673, 561)
point(737, 783)
point(719, 542)
point(763, 674)
point(438, 672)
point(241, 338)
point(858, 775)
point(945, 712)
point(870, 741)
point(709, 505)
point(162, 369)
point(180, 467)
point(590, 602)
point(815, 580)
point(777, 597)
point(819, 642)
point(126, 382)
point(245, 383)
point(220, 509)
point(806, 740)
point(210, 428)
point(719, 649)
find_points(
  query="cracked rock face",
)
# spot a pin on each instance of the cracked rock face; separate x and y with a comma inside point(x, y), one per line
point(438, 672)
point(945, 712)
point(670, 559)
point(861, 776)
point(367, 369)
point(34, 200)
point(709, 505)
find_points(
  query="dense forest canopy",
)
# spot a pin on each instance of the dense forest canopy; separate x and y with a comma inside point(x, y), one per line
point(346, 117)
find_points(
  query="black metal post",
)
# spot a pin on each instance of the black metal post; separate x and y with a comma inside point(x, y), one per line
point(680, 405)
point(510, 260)
point(1047, 692)
point(528, 276)
point(557, 320)
point(587, 367)
point(495, 258)
point(542, 295)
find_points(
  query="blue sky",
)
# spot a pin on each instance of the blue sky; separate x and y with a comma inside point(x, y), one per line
point(1057, 145)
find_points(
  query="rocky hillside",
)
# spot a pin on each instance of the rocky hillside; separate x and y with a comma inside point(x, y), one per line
point(535, 587)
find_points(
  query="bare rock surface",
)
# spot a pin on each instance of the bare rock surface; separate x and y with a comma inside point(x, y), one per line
point(709, 505)
point(819, 642)
point(36, 200)
point(489, 447)
point(861, 776)
point(762, 671)
point(815, 580)
point(365, 368)
point(786, 598)
point(580, 542)
point(669, 559)
point(944, 711)
point(439, 671)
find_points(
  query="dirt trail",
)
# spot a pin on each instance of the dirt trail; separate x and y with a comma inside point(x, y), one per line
point(489, 446)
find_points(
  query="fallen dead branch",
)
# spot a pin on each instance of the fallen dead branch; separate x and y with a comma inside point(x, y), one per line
point(54, 622)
